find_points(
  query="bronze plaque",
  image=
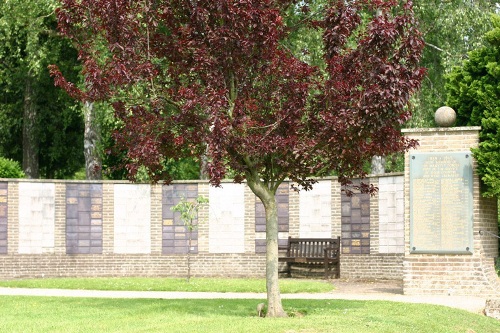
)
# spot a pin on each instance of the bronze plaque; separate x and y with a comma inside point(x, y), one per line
point(84, 193)
point(96, 215)
point(72, 201)
point(441, 187)
point(96, 201)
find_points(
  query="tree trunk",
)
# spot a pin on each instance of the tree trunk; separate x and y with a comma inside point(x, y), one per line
point(189, 256)
point(268, 198)
point(203, 165)
point(30, 137)
point(274, 306)
point(91, 139)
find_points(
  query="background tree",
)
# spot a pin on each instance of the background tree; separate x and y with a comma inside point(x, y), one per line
point(189, 78)
point(450, 29)
point(474, 92)
point(40, 125)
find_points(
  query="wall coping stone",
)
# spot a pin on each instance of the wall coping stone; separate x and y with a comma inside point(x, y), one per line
point(199, 181)
point(442, 129)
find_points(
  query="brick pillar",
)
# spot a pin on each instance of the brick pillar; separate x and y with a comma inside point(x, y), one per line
point(13, 218)
point(60, 219)
point(156, 219)
point(249, 220)
point(336, 208)
point(374, 219)
point(203, 225)
point(451, 273)
point(108, 214)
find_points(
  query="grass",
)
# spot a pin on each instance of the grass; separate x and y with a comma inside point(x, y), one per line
point(68, 315)
point(288, 286)
point(76, 315)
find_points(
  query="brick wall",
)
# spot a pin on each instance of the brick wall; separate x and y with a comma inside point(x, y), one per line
point(78, 228)
point(91, 265)
point(453, 274)
point(375, 266)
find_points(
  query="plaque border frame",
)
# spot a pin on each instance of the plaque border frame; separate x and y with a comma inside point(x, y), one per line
point(469, 227)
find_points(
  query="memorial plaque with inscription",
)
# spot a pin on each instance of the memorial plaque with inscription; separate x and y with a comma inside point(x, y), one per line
point(355, 223)
point(441, 203)
point(84, 218)
point(174, 232)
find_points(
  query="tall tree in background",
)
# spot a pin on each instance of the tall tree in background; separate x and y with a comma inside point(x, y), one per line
point(189, 78)
point(91, 141)
point(39, 125)
point(450, 29)
point(474, 92)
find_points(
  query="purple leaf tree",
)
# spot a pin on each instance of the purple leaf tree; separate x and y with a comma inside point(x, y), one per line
point(214, 79)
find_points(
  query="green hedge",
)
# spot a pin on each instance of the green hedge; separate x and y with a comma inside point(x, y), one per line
point(10, 169)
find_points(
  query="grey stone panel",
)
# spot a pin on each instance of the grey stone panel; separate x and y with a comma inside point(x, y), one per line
point(355, 223)
point(260, 245)
point(168, 243)
point(84, 204)
point(168, 250)
point(174, 232)
point(71, 211)
point(84, 218)
point(282, 199)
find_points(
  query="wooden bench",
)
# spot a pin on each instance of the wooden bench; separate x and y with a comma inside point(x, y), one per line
point(314, 251)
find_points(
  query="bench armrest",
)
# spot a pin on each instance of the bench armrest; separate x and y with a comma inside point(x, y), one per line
point(331, 252)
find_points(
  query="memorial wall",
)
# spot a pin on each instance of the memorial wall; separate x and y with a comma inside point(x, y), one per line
point(429, 227)
point(71, 228)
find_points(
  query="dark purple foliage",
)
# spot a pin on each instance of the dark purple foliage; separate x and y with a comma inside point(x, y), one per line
point(213, 78)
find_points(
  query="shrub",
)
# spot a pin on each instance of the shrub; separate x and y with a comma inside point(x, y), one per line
point(10, 169)
point(474, 92)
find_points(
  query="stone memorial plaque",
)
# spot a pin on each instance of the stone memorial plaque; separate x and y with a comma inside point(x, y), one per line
point(441, 203)
point(174, 232)
point(84, 218)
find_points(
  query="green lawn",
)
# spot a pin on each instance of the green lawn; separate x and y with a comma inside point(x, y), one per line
point(68, 315)
point(289, 286)
point(71, 315)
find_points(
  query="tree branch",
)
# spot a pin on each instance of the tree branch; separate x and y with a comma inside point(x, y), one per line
point(437, 48)
point(170, 102)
